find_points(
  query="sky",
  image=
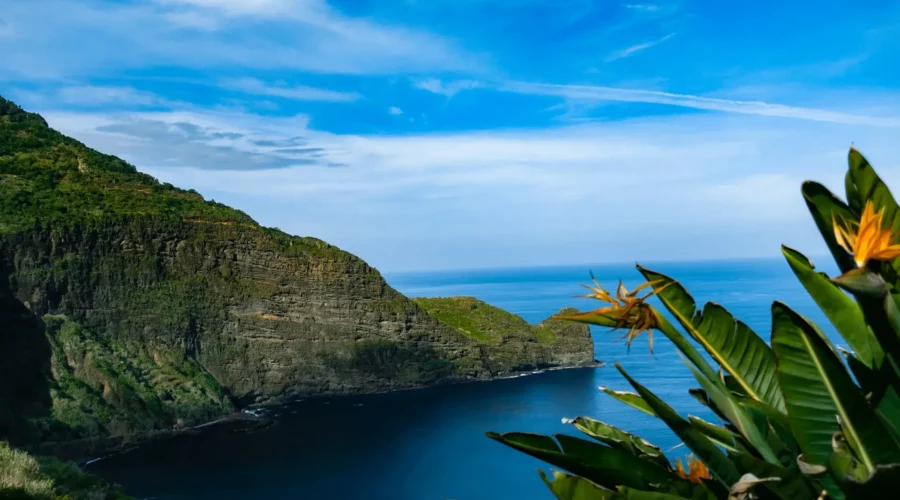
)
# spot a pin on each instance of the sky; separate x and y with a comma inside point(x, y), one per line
point(454, 134)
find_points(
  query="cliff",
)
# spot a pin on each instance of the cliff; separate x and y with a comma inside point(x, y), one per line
point(507, 342)
point(127, 305)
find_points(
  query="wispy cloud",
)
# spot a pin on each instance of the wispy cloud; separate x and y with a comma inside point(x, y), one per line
point(394, 110)
point(520, 183)
point(95, 96)
point(305, 35)
point(449, 89)
point(600, 94)
point(630, 51)
point(295, 92)
point(643, 7)
point(205, 141)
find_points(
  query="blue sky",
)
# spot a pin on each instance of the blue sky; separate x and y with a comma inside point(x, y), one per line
point(438, 134)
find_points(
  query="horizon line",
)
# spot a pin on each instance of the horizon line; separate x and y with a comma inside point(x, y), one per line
point(586, 265)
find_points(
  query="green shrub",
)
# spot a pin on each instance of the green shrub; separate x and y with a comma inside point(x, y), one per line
point(23, 477)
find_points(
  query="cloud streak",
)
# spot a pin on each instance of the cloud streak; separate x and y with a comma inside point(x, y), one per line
point(449, 89)
point(601, 94)
point(643, 7)
point(297, 92)
point(634, 49)
point(303, 35)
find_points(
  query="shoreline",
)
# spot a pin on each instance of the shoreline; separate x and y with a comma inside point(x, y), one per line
point(245, 415)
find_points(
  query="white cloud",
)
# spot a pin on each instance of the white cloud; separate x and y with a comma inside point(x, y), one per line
point(296, 92)
point(599, 94)
point(687, 186)
point(450, 89)
point(643, 7)
point(630, 51)
point(56, 39)
point(257, 8)
point(394, 110)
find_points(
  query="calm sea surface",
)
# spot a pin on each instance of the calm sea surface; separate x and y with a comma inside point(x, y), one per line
point(430, 444)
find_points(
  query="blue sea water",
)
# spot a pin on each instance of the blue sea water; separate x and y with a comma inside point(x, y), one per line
point(430, 444)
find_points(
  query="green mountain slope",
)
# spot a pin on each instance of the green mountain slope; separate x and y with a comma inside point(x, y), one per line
point(128, 306)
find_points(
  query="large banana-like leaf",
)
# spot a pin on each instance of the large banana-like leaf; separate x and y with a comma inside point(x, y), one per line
point(865, 376)
point(736, 415)
point(605, 466)
point(883, 483)
point(619, 439)
point(791, 485)
point(629, 398)
point(818, 391)
point(863, 185)
point(889, 410)
point(778, 433)
point(740, 351)
point(684, 345)
point(723, 469)
point(719, 435)
point(823, 205)
point(568, 487)
point(633, 494)
point(882, 314)
point(843, 312)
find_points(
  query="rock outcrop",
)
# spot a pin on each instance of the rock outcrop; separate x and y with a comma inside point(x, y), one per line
point(127, 305)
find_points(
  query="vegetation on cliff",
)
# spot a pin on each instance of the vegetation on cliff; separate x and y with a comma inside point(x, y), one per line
point(483, 322)
point(134, 306)
point(23, 477)
point(45, 175)
point(101, 387)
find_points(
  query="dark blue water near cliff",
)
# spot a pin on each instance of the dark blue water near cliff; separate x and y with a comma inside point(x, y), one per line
point(429, 444)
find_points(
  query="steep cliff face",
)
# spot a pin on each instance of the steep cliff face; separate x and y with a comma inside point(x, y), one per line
point(128, 305)
point(507, 342)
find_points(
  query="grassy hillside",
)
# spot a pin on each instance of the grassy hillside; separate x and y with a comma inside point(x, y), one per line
point(45, 175)
point(23, 477)
point(483, 322)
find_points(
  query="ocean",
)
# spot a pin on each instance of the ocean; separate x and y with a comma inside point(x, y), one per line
point(429, 444)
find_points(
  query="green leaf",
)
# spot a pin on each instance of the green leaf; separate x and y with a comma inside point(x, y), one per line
point(605, 466)
point(631, 399)
point(779, 427)
point(569, 487)
point(590, 318)
point(889, 410)
point(684, 345)
point(822, 206)
point(792, 483)
point(866, 377)
point(723, 470)
point(840, 308)
point(737, 349)
point(817, 389)
point(619, 439)
point(736, 415)
point(883, 483)
point(719, 435)
point(633, 494)
point(863, 185)
point(862, 283)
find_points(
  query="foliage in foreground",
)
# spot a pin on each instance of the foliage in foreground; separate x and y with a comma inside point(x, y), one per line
point(23, 477)
point(799, 417)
